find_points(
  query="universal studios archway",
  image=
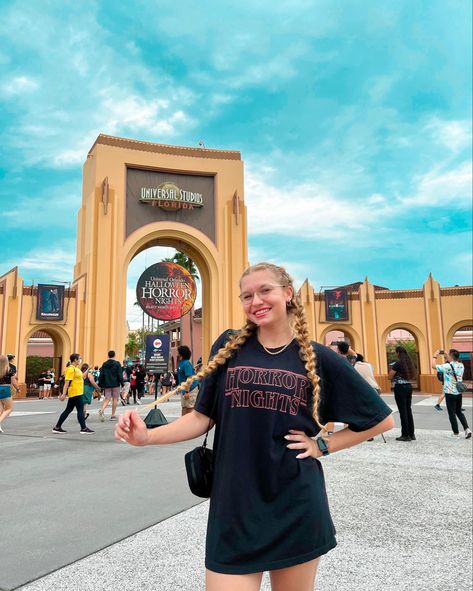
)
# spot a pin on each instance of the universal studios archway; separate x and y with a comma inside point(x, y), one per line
point(140, 194)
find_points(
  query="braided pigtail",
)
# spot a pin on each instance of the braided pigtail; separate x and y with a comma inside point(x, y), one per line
point(222, 355)
point(220, 358)
point(301, 331)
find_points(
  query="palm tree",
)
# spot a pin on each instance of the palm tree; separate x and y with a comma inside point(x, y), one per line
point(182, 259)
point(132, 345)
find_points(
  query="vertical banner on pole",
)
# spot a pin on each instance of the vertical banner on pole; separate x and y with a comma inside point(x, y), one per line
point(157, 353)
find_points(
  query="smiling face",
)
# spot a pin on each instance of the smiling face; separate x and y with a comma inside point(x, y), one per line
point(264, 299)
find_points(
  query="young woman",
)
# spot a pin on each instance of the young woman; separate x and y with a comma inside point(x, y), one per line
point(269, 390)
point(401, 373)
point(73, 390)
point(452, 372)
point(7, 380)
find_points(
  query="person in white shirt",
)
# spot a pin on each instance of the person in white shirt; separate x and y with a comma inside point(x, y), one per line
point(365, 370)
point(453, 374)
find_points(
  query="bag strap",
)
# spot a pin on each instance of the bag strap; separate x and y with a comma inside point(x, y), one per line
point(456, 379)
point(214, 405)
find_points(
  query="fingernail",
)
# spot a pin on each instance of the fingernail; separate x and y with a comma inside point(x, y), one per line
point(287, 436)
point(121, 439)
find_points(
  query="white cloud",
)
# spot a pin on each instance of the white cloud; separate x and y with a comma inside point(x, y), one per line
point(20, 85)
point(455, 135)
point(306, 208)
point(311, 211)
point(441, 188)
point(46, 264)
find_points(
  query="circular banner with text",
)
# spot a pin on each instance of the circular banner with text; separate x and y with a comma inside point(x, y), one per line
point(166, 291)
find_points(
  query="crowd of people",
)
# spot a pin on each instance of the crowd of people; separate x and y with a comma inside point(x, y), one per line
point(111, 383)
point(403, 372)
point(116, 382)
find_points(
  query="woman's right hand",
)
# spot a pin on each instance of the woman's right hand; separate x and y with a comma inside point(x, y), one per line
point(132, 429)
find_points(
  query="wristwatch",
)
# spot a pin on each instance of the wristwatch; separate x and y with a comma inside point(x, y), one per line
point(322, 445)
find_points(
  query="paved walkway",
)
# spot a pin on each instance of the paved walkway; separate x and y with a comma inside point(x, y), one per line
point(402, 511)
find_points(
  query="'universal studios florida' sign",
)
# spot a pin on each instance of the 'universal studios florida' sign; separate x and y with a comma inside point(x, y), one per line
point(169, 196)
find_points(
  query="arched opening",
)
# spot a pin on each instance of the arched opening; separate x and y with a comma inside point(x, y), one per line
point(186, 330)
point(44, 362)
point(206, 258)
point(462, 341)
point(405, 338)
point(333, 334)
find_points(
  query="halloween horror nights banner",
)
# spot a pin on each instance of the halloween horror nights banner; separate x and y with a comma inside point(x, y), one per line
point(166, 291)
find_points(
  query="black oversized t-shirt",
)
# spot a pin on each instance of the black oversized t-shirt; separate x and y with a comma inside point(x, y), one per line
point(269, 510)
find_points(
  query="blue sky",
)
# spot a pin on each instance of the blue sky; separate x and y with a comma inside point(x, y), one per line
point(353, 118)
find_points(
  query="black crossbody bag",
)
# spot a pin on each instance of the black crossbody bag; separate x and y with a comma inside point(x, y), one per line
point(461, 387)
point(200, 464)
point(200, 461)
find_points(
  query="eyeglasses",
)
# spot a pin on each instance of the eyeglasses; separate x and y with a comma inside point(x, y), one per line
point(264, 291)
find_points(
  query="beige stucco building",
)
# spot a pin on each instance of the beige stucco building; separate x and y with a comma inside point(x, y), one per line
point(124, 211)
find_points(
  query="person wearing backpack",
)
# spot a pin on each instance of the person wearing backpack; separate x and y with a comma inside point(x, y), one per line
point(453, 388)
point(111, 380)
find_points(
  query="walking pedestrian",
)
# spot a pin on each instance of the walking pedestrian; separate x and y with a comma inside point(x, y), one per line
point(140, 381)
point(452, 375)
point(185, 371)
point(111, 380)
point(90, 386)
point(125, 393)
point(269, 390)
point(73, 389)
point(7, 382)
point(401, 373)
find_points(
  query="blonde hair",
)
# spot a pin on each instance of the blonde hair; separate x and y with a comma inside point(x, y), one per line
point(298, 322)
point(4, 365)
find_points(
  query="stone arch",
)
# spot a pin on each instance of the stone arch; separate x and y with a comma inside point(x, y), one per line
point(453, 329)
point(202, 251)
point(349, 330)
point(420, 343)
point(60, 338)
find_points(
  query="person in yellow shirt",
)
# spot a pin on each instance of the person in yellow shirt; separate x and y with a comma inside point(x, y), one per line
point(73, 389)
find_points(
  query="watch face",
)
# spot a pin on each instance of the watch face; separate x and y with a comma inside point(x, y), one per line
point(322, 446)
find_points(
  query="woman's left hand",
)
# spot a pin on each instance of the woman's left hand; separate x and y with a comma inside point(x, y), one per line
point(303, 442)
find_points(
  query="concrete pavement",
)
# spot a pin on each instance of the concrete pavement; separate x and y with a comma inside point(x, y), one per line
point(402, 510)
